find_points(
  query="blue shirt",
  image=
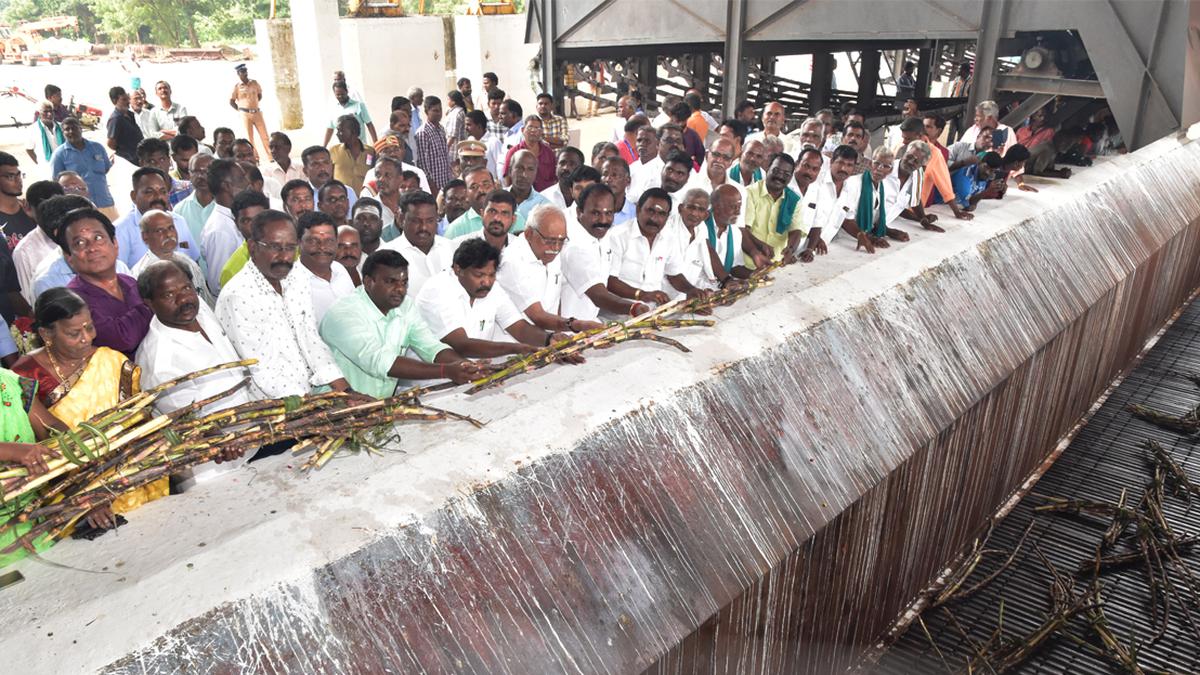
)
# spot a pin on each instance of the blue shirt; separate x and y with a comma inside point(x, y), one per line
point(7, 344)
point(131, 248)
point(91, 163)
point(626, 213)
point(535, 198)
point(966, 184)
point(61, 274)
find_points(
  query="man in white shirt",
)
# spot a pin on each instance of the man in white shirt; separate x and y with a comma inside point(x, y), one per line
point(220, 237)
point(427, 253)
point(587, 260)
point(39, 244)
point(267, 312)
point(327, 280)
point(159, 236)
point(185, 337)
point(512, 117)
point(151, 190)
point(153, 122)
point(615, 174)
point(808, 168)
point(281, 168)
point(715, 172)
point(831, 200)
point(559, 194)
point(714, 257)
point(774, 118)
point(648, 255)
point(465, 310)
point(531, 272)
point(649, 174)
point(625, 110)
point(987, 115)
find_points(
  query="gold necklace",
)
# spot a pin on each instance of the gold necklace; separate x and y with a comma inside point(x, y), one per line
point(54, 366)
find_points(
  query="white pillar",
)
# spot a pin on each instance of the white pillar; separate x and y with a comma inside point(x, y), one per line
point(318, 54)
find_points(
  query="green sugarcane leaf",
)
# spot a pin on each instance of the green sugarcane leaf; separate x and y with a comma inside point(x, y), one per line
point(96, 433)
point(64, 446)
point(172, 437)
point(291, 403)
point(82, 447)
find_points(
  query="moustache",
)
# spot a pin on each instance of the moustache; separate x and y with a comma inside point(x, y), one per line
point(602, 225)
point(286, 266)
point(187, 308)
point(158, 204)
point(483, 290)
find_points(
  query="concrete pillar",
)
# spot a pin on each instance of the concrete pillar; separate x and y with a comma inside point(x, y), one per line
point(274, 38)
point(318, 42)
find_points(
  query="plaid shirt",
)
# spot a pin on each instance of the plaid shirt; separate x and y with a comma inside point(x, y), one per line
point(495, 130)
point(433, 155)
point(456, 124)
point(555, 131)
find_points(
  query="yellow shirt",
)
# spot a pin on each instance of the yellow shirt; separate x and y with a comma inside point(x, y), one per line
point(241, 256)
point(348, 170)
point(762, 212)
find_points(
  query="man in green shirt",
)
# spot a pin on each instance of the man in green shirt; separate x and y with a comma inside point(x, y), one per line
point(773, 217)
point(370, 330)
point(479, 184)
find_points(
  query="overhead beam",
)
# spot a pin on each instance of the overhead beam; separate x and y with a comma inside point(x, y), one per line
point(1055, 86)
point(1030, 105)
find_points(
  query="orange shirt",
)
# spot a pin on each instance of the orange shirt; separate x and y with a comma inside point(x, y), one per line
point(937, 174)
point(697, 124)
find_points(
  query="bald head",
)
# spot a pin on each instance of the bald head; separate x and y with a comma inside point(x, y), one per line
point(773, 118)
point(546, 232)
point(158, 232)
point(726, 204)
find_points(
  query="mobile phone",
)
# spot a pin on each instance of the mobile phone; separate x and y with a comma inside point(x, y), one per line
point(9, 578)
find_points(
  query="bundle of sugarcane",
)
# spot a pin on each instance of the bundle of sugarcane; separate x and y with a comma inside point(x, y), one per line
point(643, 327)
point(128, 447)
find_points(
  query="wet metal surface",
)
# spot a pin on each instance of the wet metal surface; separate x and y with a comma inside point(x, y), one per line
point(1104, 458)
point(775, 517)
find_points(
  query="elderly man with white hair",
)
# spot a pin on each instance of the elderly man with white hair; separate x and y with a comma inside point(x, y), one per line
point(531, 272)
point(903, 186)
point(987, 115)
point(162, 242)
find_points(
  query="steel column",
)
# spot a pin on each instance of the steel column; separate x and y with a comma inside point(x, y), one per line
point(991, 29)
point(868, 78)
point(734, 84)
point(549, 83)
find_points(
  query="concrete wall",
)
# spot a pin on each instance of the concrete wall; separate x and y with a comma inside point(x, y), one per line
point(318, 55)
point(496, 44)
point(787, 486)
point(384, 57)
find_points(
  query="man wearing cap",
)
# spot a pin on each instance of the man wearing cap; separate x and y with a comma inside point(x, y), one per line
point(247, 99)
point(470, 155)
point(391, 145)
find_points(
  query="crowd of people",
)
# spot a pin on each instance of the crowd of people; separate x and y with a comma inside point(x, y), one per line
point(467, 230)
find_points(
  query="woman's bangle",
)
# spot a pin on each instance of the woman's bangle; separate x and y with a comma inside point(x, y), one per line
point(632, 306)
point(637, 294)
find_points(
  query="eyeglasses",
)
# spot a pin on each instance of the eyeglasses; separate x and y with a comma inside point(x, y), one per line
point(552, 241)
point(76, 189)
point(278, 249)
point(12, 175)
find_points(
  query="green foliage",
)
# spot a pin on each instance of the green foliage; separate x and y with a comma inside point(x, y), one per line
point(164, 22)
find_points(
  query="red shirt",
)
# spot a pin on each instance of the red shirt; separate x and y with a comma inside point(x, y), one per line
point(545, 176)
